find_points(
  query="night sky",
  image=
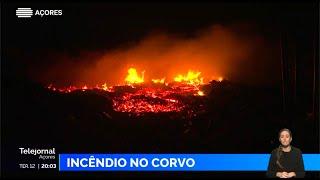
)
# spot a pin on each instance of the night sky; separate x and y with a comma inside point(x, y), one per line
point(103, 25)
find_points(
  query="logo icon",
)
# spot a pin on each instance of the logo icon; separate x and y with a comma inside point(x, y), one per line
point(24, 12)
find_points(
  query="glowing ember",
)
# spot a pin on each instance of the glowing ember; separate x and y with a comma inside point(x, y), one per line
point(138, 97)
point(148, 100)
point(83, 88)
point(200, 93)
point(133, 76)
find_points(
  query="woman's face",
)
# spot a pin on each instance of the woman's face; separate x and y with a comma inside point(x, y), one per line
point(285, 138)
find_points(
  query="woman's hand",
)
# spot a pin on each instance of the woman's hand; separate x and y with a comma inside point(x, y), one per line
point(285, 174)
point(291, 174)
point(282, 174)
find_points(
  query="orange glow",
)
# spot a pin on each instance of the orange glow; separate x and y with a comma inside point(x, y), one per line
point(85, 87)
point(133, 77)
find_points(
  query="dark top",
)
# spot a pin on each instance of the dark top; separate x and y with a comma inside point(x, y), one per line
point(290, 161)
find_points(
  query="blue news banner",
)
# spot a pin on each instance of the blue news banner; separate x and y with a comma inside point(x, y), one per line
point(174, 162)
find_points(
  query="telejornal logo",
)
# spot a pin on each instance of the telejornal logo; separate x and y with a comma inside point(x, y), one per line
point(28, 12)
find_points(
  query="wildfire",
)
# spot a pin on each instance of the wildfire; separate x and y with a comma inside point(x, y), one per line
point(192, 78)
point(158, 80)
point(133, 77)
point(105, 87)
point(137, 97)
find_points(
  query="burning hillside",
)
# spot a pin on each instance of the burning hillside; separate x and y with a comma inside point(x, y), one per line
point(157, 95)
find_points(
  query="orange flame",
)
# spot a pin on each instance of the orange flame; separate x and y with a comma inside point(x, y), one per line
point(158, 80)
point(105, 87)
point(192, 78)
point(133, 77)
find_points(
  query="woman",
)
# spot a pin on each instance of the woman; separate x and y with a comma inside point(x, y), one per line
point(286, 161)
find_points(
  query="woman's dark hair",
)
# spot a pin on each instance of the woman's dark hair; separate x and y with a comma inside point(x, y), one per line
point(279, 149)
point(285, 129)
